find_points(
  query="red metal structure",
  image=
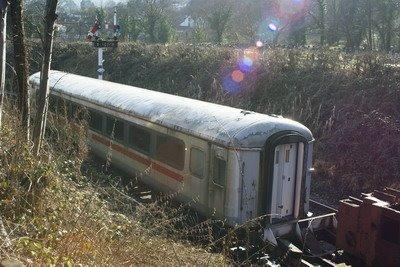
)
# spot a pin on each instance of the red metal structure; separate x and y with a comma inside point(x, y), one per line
point(369, 229)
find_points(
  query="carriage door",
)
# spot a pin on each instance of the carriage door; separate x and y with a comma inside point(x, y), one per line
point(198, 167)
point(284, 179)
point(218, 176)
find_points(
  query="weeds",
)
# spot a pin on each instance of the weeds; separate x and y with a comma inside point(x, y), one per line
point(56, 214)
point(333, 93)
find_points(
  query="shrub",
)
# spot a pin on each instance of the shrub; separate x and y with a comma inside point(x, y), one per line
point(325, 89)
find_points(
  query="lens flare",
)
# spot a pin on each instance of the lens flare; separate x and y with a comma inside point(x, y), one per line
point(278, 19)
point(252, 53)
point(268, 30)
point(230, 85)
point(245, 64)
point(248, 62)
point(237, 76)
point(272, 27)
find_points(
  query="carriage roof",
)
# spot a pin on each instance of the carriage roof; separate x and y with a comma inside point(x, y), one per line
point(228, 126)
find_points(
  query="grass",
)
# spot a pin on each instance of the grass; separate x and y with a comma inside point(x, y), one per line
point(57, 213)
point(348, 100)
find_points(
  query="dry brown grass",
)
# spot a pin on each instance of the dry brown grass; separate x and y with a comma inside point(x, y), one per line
point(54, 214)
point(336, 94)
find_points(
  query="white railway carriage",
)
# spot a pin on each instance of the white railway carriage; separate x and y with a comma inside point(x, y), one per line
point(236, 164)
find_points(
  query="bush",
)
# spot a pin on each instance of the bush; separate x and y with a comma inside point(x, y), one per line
point(329, 91)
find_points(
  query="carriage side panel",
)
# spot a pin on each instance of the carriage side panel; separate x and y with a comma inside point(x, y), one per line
point(250, 171)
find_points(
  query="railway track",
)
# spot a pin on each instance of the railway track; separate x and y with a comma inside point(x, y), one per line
point(245, 244)
point(242, 244)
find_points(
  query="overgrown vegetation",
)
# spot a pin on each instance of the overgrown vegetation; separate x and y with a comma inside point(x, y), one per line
point(57, 213)
point(349, 100)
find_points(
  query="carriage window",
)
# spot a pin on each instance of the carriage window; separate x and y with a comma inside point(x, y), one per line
point(170, 151)
point(287, 156)
point(197, 162)
point(115, 129)
point(276, 156)
point(219, 171)
point(139, 138)
point(95, 121)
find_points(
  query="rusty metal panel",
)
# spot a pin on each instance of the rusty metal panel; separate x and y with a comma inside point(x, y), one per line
point(388, 245)
point(370, 228)
point(347, 231)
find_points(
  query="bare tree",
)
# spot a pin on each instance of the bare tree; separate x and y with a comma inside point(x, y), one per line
point(318, 15)
point(152, 12)
point(386, 13)
point(42, 103)
point(322, 21)
point(218, 20)
point(3, 27)
point(353, 21)
point(369, 12)
point(332, 21)
point(21, 61)
point(155, 16)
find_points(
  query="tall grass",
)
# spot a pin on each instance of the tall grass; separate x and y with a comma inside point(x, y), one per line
point(55, 212)
point(349, 101)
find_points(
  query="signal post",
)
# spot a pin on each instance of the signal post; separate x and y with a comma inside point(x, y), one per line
point(101, 44)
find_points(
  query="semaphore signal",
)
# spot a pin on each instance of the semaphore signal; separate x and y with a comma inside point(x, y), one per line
point(99, 43)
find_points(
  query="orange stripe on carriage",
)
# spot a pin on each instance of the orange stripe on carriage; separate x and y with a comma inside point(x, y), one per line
point(168, 172)
point(138, 158)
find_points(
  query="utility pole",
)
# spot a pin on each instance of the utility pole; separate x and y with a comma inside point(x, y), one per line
point(3, 47)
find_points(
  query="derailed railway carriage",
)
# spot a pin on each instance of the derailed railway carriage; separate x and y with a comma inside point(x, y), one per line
point(237, 164)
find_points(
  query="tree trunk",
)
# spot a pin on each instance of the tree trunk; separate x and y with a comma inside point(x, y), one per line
point(42, 103)
point(336, 27)
point(370, 23)
point(321, 21)
point(21, 61)
point(3, 27)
